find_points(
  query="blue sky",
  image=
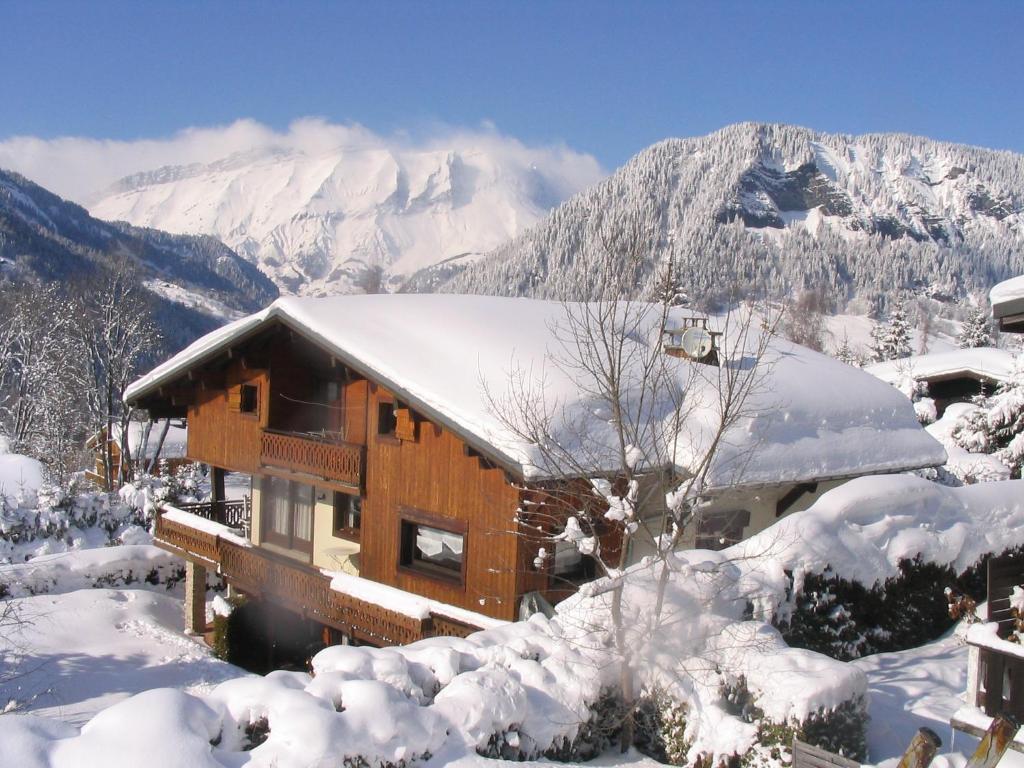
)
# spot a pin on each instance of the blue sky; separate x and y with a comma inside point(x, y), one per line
point(606, 79)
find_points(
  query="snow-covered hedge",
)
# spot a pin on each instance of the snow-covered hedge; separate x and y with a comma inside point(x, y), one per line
point(864, 570)
point(43, 519)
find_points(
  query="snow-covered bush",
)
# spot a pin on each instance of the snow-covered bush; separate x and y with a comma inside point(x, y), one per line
point(51, 519)
point(997, 427)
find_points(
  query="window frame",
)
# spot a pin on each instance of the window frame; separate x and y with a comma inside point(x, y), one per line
point(409, 520)
point(726, 528)
point(347, 532)
point(254, 388)
point(290, 541)
point(392, 419)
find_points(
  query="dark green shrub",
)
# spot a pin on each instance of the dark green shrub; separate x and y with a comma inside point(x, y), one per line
point(846, 620)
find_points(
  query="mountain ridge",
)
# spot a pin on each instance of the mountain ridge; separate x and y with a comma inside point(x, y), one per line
point(769, 207)
point(317, 222)
point(197, 281)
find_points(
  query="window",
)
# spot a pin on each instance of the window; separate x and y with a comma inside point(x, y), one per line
point(718, 530)
point(433, 551)
point(386, 421)
point(570, 566)
point(249, 398)
point(286, 508)
point(348, 516)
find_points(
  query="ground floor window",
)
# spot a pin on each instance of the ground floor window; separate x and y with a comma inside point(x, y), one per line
point(286, 508)
point(718, 530)
point(348, 516)
point(433, 550)
point(570, 566)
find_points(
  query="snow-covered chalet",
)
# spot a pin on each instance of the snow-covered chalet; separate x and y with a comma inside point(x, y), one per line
point(384, 490)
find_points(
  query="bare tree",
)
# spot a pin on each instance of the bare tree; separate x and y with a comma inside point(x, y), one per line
point(805, 320)
point(39, 398)
point(611, 455)
point(117, 335)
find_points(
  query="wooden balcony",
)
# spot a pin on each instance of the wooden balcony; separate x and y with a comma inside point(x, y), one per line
point(233, 514)
point(295, 586)
point(338, 462)
point(995, 665)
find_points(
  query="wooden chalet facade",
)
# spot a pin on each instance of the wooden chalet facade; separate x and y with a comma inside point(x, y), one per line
point(388, 502)
point(347, 477)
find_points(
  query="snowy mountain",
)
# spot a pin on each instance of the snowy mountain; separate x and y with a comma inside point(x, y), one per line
point(351, 218)
point(776, 209)
point(198, 280)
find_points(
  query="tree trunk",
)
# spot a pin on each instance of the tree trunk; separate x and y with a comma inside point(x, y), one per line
point(159, 447)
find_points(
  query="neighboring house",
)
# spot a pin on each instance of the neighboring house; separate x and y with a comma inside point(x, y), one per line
point(385, 489)
point(1007, 300)
point(952, 377)
point(171, 451)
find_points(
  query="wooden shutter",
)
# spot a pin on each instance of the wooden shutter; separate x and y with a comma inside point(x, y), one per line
point(405, 424)
point(235, 398)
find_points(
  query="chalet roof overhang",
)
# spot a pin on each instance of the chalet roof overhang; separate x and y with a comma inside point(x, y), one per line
point(139, 397)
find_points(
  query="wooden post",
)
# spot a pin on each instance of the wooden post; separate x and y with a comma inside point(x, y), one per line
point(995, 742)
point(973, 676)
point(922, 749)
point(216, 483)
point(195, 598)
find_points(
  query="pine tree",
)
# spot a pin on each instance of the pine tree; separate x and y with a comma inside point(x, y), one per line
point(999, 427)
point(897, 333)
point(845, 352)
point(975, 331)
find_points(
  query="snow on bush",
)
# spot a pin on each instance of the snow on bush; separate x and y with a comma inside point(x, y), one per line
point(52, 519)
point(864, 570)
point(714, 678)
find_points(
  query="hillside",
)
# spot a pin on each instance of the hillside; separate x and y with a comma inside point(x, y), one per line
point(197, 280)
point(352, 218)
point(776, 209)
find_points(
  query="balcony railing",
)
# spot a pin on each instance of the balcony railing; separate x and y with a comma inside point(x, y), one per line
point(297, 587)
point(337, 461)
point(233, 514)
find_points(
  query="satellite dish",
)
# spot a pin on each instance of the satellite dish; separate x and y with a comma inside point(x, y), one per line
point(697, 343)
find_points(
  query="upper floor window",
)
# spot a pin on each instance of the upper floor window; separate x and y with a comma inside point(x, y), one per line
point(249, 398)
point(348, 516)
point(386, 420)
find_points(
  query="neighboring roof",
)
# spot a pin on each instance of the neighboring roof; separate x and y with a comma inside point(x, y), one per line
point(814, 418)
point(988, 363)
point(1008, 304)
point(175, 445)
point(1008, 290)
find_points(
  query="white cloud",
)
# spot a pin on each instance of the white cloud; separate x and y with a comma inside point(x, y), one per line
point(78, 168)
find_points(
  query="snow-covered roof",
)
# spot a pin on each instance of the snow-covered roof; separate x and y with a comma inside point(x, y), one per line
point(175, 444)
point(1008, 290)
point(980, 362)
point(451, 357)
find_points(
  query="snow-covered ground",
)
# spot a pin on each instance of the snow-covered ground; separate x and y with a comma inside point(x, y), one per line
point(920, 687)
point(90, 648)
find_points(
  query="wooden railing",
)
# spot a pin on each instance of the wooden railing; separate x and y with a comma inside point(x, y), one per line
point(233, 514)
point(996, 681)
point(337, 461)
point(300, 588)
point(186, 541)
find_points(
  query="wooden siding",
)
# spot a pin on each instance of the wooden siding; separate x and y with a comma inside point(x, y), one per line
point(221, 435)
point(434, 475)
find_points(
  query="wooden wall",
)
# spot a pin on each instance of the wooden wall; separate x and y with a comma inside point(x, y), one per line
point(435, 476)
point(219, 434)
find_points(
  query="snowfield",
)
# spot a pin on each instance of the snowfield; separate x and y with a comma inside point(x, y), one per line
point(524, 688)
